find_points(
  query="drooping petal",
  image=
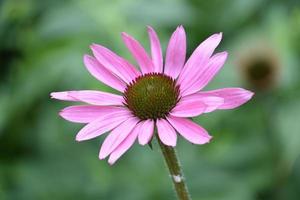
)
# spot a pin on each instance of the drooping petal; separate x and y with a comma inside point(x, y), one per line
point(102, 125)
point(102, 74)
point(190, 130)
point(176, 51)
point(197, 63)
point(166, 132)
point(214, 65)
point(89, 96)
point(87, 113)
point(195, 104)
point(188, 109)
point(114, 63)
point(125, 145)
point(146, 132)
point(233, 97)
point(117, 136)
point(156, 52)
point(138, 53)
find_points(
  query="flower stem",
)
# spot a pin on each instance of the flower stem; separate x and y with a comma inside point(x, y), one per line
point(175, 170)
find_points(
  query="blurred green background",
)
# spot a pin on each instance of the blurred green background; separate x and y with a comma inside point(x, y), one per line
point(255, 150)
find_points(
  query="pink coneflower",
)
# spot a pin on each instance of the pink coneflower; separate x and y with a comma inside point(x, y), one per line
point(157, 95)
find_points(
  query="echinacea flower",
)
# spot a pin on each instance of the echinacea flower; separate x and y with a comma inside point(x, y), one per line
point(157, 95)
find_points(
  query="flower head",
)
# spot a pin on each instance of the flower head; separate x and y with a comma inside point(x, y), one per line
point(155, 95)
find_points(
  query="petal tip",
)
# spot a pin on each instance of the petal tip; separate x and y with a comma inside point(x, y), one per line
point(125, 35)
point(247, 93)
point(52, 94)
point(101, 156)
point(111, 162)
point(224, 53)
point(93, 46)
point(59, 95)
point(181, 27)
point(141, 142)
point(86, 58)
point(61, 113)
point(78, 138)
point(207, 139)
point(220, 34)
point(217, 36)
point(173, 144)
point(180, 30)
point(149, 28)
point(103, 153)
point(250, 94)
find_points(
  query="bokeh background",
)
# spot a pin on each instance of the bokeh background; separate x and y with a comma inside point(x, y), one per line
point(255, 150)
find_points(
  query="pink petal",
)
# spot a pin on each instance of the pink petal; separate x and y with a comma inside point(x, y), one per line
point(102, 74)
point(190, 130)
point(138, 53)
point(125, 145)
point(197, 63)
point(166, 132)
point(64, 96)
point(117, 136)
point(176, 51)
point(89, 96)
point(102, 125)
point(155, 50)
point(212, 103)
point(114, 63)
point(87, 113)
point(96, 97)
point(146, 132)
point(233, 97)
point(188, 109)
point(209, 103)
point(213, 67)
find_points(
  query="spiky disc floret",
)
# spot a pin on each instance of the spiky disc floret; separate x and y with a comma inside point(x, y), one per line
point(151, 96)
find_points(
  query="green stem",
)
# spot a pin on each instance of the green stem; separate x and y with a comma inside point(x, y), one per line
point(175, 170)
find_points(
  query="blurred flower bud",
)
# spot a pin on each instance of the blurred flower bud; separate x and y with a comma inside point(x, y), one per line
point(259, 67)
